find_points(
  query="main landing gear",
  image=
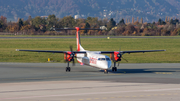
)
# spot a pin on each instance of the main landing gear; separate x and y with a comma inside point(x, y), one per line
point(114, 69)
point(106, 71)
point(68, 69)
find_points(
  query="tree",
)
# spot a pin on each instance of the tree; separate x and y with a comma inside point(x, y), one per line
point(87, 26)
point(79, 21)
point(68, 21)
point(120, 30)
point(38, 22)
point(166, 20)
point(3, 23)
point(121, 22)
point(94, 22)
point(174, 21)
point(130, 28)
point(141, 21)
point(52, 20)
point(111, 24)
point(161, 22)
point(178, 31)
point(132, 20)
point(1, 26)
point(137, 19)
point(20, 23)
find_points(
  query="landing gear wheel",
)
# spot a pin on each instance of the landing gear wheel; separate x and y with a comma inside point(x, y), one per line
point(68, 69)
point(105, 71)
point(114, 69)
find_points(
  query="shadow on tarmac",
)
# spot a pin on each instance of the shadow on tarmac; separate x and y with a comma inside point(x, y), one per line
point(134, 71)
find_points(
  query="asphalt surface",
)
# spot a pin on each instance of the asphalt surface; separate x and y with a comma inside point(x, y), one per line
point(134, 73)
point(49, 81)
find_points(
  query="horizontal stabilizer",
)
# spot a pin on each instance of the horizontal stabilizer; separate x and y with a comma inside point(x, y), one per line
point(61, 29)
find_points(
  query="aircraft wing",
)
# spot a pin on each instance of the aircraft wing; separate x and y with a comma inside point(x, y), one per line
point(135, 51)
point(101, 52)
point(49, 51)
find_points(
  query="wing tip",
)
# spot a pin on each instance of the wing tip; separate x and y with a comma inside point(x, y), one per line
point(17, 49)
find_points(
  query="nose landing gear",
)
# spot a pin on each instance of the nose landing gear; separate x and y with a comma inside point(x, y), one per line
point(106, 71)
point(114, 69)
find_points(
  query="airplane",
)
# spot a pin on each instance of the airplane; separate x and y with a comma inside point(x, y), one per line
point(91, 58)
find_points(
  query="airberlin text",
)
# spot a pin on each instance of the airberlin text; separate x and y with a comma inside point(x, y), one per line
point(93, 60)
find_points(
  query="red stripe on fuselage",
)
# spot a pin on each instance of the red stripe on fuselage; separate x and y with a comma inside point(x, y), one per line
point(77, 38)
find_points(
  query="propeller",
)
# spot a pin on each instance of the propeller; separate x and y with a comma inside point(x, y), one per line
point(112, 58)
point(72, 55)
point(120, 56)
point(124, 59)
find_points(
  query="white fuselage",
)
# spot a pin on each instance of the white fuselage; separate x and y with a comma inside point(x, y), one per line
point(94, 59)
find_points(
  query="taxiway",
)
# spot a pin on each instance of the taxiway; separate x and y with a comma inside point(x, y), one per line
point(49, 81)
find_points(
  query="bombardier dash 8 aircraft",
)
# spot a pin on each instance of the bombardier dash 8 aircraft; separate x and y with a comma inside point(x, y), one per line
point(91, 58)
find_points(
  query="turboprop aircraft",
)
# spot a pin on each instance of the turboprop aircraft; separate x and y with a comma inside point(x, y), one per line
point(91, 58)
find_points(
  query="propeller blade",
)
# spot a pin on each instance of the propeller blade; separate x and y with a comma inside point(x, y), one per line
point(112, 58)
point(66, 58)
point(118, 64)
point(120, 49)
point(73, 62)
point(124, 59)
point(71, 48)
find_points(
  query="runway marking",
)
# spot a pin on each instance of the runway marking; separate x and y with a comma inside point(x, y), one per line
point(104, 98)
point(163, 72)
point(88, 99)
point(93, 93)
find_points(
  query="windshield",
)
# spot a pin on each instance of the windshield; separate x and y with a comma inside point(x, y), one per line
point(103, 59)
point(108, 59)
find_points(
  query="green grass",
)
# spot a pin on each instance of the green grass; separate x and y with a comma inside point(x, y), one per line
point(171, 55)
point(81, 36)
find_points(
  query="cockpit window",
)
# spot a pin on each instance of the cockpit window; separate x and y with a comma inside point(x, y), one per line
point(103, 59)
point(108, 59)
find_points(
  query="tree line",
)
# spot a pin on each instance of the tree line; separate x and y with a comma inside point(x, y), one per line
point(42, 25)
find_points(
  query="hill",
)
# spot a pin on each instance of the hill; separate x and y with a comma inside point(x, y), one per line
point(150, 10)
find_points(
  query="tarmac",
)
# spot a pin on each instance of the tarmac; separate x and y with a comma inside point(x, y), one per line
point(50, 82)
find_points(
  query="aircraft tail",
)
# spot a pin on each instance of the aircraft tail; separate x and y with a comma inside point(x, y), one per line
point(79, 47)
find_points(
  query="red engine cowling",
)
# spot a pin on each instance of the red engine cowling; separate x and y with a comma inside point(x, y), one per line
point(117, 56)
point(67, 56)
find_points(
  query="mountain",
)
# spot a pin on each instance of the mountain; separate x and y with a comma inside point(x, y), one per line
point(150, 10)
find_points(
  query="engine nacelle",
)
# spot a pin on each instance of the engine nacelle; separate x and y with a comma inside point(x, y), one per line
point(67, 56)
point(117, 56)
